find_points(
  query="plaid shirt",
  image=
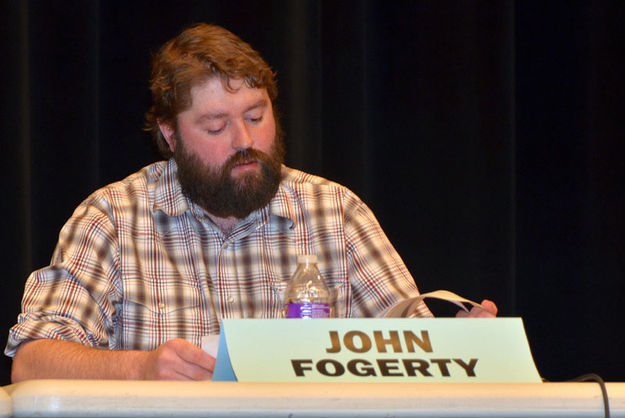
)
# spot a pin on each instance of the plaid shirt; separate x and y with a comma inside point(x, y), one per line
point(139, 264)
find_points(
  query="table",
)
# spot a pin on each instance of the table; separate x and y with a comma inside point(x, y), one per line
point(5, 404)
point(84, 398)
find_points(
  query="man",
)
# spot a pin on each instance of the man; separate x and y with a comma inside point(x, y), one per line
point(145, 267)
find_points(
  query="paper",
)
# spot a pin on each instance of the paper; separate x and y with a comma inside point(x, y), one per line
point(210, 344)
point(405, 307)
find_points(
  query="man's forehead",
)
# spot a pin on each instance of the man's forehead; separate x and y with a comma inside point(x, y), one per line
point(230, 85)
point(212, 98)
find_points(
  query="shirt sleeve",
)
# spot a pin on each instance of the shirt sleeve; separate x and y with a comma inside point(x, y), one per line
point(74, 298)
point(378, 276)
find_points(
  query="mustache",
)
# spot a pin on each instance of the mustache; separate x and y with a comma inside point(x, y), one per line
point(246, 156)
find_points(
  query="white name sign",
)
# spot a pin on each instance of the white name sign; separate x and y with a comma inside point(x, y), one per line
point(375, 350)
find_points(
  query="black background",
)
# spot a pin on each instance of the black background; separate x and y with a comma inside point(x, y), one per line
point(487, 137)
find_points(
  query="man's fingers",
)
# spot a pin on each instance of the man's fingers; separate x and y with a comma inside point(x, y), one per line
point(179, 360)
point(490, 307)
point(462, 314)
point(193, 363)
point(487, 309)
point(196, 356)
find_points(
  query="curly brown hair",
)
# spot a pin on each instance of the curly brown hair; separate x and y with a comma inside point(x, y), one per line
point(197, 54)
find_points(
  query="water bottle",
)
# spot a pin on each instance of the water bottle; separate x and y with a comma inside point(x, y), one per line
point(307, 296)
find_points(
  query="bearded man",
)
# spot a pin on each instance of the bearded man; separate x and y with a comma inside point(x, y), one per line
point(147, 266)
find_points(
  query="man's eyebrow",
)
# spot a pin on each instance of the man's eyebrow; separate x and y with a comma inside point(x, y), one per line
point(259, 103)
point(211, 116)
point(222, 115)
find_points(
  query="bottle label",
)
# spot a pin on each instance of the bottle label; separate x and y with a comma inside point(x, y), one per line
point(307, 310)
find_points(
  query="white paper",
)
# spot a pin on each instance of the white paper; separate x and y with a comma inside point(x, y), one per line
point(210, 344)
point(406, 307)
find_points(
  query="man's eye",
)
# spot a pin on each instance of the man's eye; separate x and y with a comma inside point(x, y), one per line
point(215, 131)
point(256, 119)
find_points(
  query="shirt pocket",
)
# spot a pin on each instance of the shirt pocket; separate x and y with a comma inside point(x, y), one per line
point(147, 323)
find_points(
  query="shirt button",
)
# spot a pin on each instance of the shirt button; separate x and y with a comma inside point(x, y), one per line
point(225, 246)
point(161, 306)
point(230, 299)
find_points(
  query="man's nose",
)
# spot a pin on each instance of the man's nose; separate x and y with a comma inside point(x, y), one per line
point(242, 138)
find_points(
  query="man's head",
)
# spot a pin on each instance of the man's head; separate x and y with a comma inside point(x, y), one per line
point(200, 53)
point(213, 111)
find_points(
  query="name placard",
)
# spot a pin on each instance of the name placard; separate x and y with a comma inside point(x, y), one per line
point(375, 350)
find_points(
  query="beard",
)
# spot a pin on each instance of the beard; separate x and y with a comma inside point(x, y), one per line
point(221, 194)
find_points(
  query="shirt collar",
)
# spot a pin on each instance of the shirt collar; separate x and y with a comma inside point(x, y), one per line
point(168, 196)
point(281, 206)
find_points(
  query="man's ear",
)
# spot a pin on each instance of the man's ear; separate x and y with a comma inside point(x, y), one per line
point(168, 133)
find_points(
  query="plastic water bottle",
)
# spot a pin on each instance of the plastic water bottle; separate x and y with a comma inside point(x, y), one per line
point(307, 296)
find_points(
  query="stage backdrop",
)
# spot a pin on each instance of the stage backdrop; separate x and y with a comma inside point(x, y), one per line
point(486, 136)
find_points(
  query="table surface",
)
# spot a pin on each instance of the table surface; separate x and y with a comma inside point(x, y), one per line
point(5, 404)
point(96, 398)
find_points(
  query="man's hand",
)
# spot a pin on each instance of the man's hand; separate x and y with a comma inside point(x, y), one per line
point(487, 309)
point(178, 360)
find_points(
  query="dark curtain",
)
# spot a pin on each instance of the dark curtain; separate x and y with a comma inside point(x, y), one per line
point(487, 137)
